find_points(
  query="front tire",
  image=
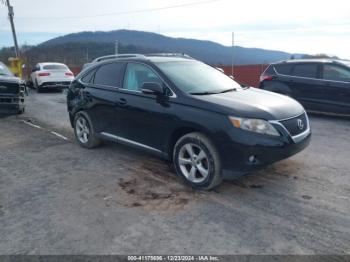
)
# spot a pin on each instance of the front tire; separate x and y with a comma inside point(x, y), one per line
point(197, 161)
point(84, 131)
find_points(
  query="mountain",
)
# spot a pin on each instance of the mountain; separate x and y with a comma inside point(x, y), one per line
point(206, 51)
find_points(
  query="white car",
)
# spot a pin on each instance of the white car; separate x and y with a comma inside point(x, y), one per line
point(51, 76)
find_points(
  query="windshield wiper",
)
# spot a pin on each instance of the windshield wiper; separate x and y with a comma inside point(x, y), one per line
point(203, 93)
point(228, 90)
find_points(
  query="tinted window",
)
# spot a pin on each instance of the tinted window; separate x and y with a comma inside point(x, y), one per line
point(306, 70)
point(284, 69)
point(337, 73)
point(137, 74)
point(88, 77)
point(55, 67)
point(270, 70)
point(109, 75)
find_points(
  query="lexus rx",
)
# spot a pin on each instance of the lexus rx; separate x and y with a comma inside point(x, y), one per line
point(187, 112)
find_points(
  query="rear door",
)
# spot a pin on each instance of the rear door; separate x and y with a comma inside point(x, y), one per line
point(336, 88)
point(306, 85)
point(101, 94)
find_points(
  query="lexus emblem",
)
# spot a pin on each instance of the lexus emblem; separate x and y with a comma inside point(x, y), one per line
point(300, 124)
point(3, 87)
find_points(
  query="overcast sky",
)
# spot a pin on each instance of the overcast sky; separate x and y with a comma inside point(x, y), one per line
point(297, 26)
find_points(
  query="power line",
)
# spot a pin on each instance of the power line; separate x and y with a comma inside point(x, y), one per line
point(125, 12)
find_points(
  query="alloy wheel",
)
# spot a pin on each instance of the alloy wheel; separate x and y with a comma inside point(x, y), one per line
point(193, 162)
point(82, 130)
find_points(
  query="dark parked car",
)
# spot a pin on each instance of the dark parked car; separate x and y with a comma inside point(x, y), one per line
point(318, 84)
point(12, 92)
point(187, 112)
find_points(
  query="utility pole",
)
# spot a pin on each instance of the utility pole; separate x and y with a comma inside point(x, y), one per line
point(116, 47)
point(233, 53)
point(11, 14)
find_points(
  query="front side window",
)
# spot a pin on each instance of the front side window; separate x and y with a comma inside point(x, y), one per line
point(137, 74)
point(306, 70)
point(195, 77)
point(336, 73)
point(109, 75)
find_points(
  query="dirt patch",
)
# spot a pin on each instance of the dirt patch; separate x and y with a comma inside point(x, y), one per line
point(157, 189)
point(148, 194)
point(307, 197)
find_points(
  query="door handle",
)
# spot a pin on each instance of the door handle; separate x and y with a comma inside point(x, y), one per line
point(122, 102)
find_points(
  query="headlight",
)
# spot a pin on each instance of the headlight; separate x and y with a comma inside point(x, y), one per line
point(254, 125)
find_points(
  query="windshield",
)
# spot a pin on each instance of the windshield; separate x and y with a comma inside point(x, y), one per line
point(4, 71)
point(55, 67)
point(195, 77)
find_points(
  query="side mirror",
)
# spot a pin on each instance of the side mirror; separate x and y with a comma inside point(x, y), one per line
point(152, 88)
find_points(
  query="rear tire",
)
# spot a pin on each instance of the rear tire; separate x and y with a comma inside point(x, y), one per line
point(197, 161)
point(84, 131)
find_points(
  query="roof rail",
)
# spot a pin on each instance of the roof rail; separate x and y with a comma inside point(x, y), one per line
point(183, 55)
point(108, 57)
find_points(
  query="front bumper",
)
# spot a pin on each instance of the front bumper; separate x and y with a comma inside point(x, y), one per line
point(11, 103)
point(244, 152)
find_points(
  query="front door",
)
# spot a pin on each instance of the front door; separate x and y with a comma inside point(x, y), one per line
point(143, 118)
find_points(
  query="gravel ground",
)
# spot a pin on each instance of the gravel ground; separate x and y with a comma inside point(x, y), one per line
point(58, 198)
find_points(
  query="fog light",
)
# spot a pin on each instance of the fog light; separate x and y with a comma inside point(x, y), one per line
point(251, 159)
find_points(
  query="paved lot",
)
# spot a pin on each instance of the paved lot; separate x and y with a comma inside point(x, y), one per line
point(57, 198)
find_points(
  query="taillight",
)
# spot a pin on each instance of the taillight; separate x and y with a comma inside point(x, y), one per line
point(266, 78)
point(44, 74)
point(69, 74)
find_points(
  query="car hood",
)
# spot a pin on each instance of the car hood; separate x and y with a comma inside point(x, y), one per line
point(254, 103)
point(9, 79)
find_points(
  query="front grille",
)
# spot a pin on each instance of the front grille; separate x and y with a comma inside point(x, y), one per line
point(9, 88)
point(296, 125)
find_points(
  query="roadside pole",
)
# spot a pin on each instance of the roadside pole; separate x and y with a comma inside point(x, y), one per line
point(16, 63)
point(11, 14)
point(116, 47)
point(233, 53)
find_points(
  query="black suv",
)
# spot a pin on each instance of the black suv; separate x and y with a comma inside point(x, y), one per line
point(187, 112)
point(12, 92)
point(318, 84)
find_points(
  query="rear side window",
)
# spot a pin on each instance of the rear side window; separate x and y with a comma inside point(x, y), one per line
point(270, 70)
point(336, 73)
point(284, 69)
point(109, 75)
point(305, 70)
point(88, 77)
